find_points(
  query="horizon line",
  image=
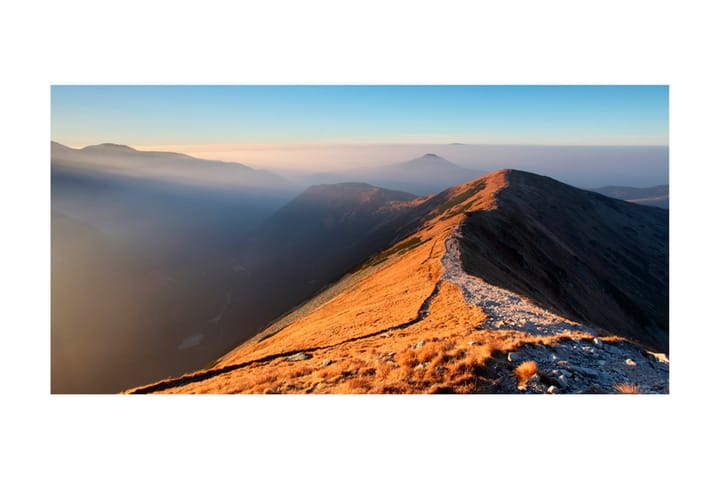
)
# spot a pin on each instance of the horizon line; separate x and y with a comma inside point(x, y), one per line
point(140, 146)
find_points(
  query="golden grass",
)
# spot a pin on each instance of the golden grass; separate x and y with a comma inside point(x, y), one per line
point(524, 371)
point(627, 388)
point(447, 362)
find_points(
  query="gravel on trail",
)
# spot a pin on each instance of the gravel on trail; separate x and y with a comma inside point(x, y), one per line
point(567, 366)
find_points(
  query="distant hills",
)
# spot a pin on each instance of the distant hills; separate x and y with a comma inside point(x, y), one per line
point(420, 176)
point(168, 166)
point(657, 196)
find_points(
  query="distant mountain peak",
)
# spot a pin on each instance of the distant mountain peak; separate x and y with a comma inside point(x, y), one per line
point(110, 146)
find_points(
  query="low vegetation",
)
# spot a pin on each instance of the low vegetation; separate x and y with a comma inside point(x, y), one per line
point(627, 388)
point(444, 353)
point(524, 372)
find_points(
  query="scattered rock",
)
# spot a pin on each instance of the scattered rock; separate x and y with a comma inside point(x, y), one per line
point(630, 362)
point(297, 357)
point(552, 389)
point(473, 343)
point(325, 362)
point(562, 381)
point(514, 357)
point(420, 366)
point(418, 344)
point(387, 356)
point(597, 341)
point(660, 357)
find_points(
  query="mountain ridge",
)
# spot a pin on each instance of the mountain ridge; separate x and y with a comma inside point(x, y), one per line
point(386, 324)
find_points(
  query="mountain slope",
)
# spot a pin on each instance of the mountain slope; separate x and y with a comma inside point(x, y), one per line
point(413, 320)
point(588, 257)
point(312, 241)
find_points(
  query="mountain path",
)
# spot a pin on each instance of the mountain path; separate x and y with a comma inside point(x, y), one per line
point(571, 365)
point(506, 310)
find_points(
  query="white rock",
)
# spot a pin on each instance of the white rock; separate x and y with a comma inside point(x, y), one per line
point(514, 357)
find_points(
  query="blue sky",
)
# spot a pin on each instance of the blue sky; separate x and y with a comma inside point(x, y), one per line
point(521, 115)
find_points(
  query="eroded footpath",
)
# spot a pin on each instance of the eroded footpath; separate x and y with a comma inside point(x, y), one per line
point(580, 362)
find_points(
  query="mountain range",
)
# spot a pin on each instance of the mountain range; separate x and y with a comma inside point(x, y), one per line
point(168, 166)
point(174, 260)
point(512, 282)
point(425, 175)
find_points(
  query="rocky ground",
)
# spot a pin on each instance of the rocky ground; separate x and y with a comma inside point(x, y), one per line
point(579, 362)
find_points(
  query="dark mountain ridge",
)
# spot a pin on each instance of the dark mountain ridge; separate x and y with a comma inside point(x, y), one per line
point(597, 260)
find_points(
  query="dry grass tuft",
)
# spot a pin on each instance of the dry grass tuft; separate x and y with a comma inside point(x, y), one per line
point(524, 371)
point(629, 388)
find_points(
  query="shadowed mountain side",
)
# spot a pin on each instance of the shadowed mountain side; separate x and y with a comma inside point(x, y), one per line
point(658, 196)
point(314, 240)
point(597, 260)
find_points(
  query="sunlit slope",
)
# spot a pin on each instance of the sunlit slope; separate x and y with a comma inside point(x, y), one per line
point(410, 320)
